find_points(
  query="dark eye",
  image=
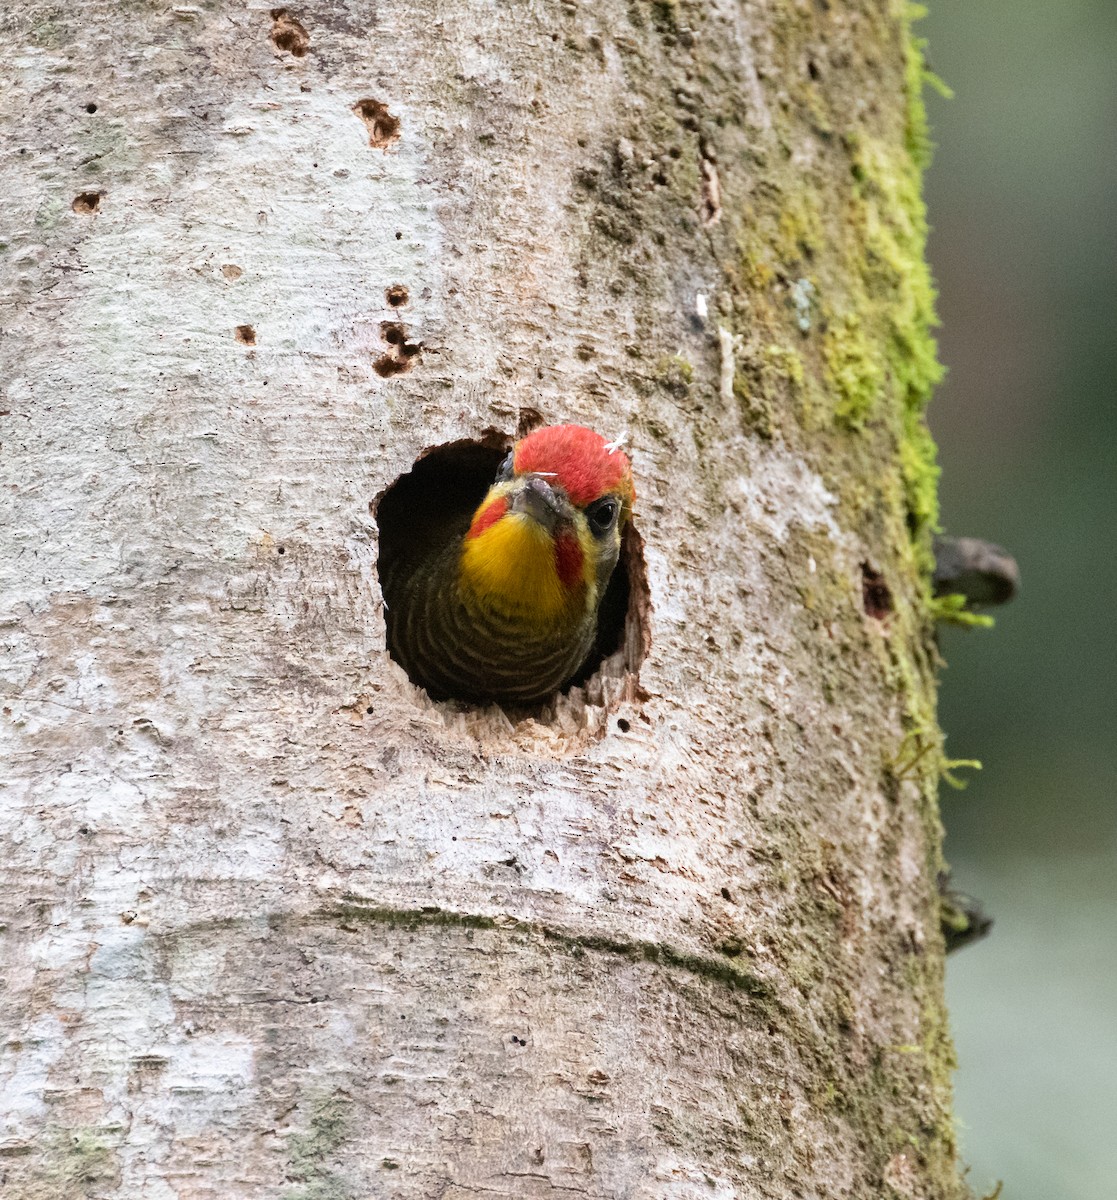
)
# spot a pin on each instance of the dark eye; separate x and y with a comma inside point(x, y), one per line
point(504, 471)
point(602, 515)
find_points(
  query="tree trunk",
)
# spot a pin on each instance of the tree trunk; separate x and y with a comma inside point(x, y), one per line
point(275, 924)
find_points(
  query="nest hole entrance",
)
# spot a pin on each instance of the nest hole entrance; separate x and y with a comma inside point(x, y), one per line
point(443, 489)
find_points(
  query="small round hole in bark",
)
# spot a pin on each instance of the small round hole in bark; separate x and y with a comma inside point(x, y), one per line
point(432, 505)
point(369, 710)
point(245, 334)
point(383, 128)
point(396, 295)
point(91, 108)
point(399, 235)
point(86, 203)
point(288, 34)
point(402, 353)
point(875, 593)
point(812, 70)
point(387, 365)
point(726, 895)
point(281, 550)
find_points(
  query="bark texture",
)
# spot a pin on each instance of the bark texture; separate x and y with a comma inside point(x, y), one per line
point(273, 923)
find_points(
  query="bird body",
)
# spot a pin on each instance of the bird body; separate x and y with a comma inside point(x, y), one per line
point(502, 603)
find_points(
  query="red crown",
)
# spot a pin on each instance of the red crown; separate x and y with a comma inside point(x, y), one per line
point(582, 462)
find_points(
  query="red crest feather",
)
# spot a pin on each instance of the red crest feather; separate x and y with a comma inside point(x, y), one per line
point(582, 462)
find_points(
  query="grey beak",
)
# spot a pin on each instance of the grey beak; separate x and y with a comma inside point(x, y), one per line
point(538, 500)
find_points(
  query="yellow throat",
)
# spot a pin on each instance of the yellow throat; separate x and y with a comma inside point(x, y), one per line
point(510, 568)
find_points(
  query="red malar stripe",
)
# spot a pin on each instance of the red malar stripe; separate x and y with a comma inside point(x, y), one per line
point(488, 517)
point(568, 559)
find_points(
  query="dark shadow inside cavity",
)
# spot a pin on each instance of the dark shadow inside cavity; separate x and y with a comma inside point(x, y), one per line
point(448, 483)
point(444, 487)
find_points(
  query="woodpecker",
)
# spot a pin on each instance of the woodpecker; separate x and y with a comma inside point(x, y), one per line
point(500, 603)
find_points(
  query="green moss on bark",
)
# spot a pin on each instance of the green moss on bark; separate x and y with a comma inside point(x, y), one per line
point(889, 216)
point(853, 371)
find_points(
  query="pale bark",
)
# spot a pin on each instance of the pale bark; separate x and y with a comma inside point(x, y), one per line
point(276, 925)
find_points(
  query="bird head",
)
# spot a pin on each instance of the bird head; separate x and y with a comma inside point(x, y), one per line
point(543, 543)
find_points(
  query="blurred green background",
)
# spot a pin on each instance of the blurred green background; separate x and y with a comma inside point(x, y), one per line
point(1022, 198)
